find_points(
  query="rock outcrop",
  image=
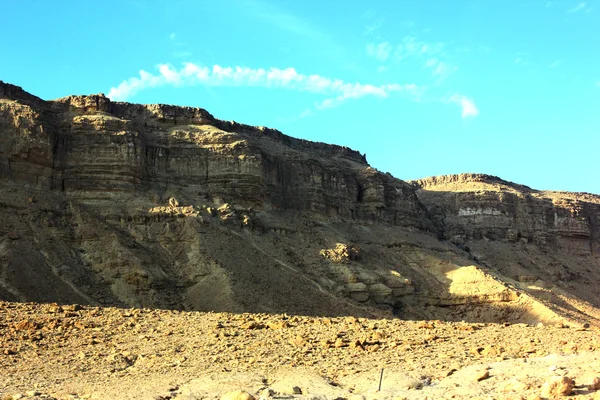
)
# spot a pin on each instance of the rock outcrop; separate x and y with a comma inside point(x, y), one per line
point(106, 202)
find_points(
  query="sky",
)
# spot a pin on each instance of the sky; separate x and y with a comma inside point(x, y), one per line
point(423, 87)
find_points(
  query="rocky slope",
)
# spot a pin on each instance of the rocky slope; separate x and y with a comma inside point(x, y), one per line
point(109, 203)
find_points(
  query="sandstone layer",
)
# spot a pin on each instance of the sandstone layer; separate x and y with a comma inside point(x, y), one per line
point(110, 203)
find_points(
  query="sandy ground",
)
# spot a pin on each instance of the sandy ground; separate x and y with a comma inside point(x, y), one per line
point(70, 352)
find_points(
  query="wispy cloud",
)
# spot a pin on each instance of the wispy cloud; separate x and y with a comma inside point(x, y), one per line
point(555, 64)
point(279, 18)
point(336, 91)
point(275, 15)
point(373, 27)
point(468, 107)
point(440, 69)
point(374, 23)
point(431, 54)
point(380, 51)
point(578, 7)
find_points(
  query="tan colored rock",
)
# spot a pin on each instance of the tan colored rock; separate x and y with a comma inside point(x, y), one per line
point(342, 253)
point(557, 386)
point(298, 340)
point(481, 374)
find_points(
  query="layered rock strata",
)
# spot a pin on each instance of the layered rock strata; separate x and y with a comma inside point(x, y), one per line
point(105, 202)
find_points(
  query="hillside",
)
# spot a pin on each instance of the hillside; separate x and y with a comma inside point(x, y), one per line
point(115, 204)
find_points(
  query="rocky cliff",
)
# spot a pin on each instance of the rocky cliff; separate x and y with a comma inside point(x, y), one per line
point(105, 202)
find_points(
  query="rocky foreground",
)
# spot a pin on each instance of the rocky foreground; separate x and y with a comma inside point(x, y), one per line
point(72, 352)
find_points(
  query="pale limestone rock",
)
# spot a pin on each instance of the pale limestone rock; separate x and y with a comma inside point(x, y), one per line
point(557, 386)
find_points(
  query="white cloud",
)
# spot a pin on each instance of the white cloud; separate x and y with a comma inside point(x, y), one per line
point(440, 69)
point(370, 29)
point(336, 90)
point(468, 107)
point(578, 7)
point(412, 48)
point(380, 51)
point(172, 36)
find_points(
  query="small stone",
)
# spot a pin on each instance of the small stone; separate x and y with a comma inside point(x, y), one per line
point(237, 395)
point(476, 351)
point(54, 308)
point(488, 351)
point(425, 325)
point(277, 324)
point(296, 390)
point(481, 374)
point(339, 342)
point(32, 393)
point(26, 325)
point(356, 344)
point(17, 396)
point(252, 325)
point(298, 341)
point(557, 386)
point(374, 348)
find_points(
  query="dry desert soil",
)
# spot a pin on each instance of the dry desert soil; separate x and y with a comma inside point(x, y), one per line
point(74, 352)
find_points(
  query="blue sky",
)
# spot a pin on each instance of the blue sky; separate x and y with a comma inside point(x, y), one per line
point(509, 88)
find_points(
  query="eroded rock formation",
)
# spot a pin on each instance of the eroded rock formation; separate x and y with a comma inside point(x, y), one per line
point(105, 202)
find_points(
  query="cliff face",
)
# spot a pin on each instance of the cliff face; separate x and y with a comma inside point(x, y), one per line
point(154, 205)
point(89, 147)
point(471, 206)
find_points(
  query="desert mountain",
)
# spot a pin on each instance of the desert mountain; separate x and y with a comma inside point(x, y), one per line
point(111, 203)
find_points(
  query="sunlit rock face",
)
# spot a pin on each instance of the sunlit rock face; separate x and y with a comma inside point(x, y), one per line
point(124, 204)
point(90, 147)
point(472, 206)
